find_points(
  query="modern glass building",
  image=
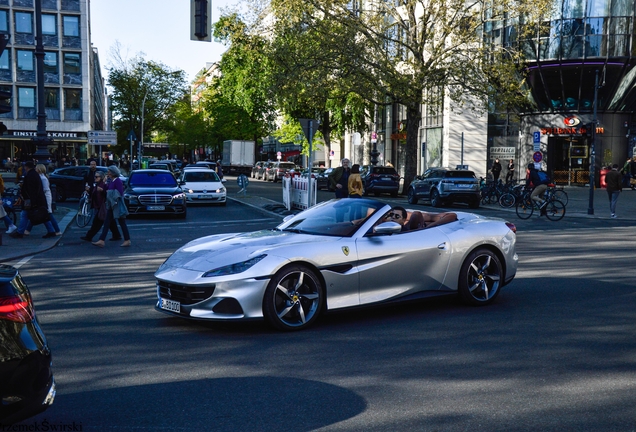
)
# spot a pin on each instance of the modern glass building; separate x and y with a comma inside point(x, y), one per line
point(581, 68)
point(74, 88)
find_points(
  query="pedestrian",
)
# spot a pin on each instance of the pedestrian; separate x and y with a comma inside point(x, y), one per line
point(496, 170)
point(632, 173)
point(625, 173)
point(389, 164)
point(613, 182)
point(219, 169)
point(339, 179)
point(98, 203)
point(115, 207)
point(51, 225)
point(33, 200)
point(355, 186)
point(511, 171)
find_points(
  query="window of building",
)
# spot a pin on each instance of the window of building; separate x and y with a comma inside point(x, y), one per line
point(26, 97)
point(4, 61)
point(73, 104)
point(71, 26)
point(52, 103)
point(50, 63)
point(49, 24)
point(23, 22)
point(4, 21)
point(25, 60)
point(72, 63)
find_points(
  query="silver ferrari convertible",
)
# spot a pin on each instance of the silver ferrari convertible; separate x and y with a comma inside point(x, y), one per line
point(338, 254)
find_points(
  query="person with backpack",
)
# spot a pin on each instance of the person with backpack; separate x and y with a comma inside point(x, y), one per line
point(540, 181)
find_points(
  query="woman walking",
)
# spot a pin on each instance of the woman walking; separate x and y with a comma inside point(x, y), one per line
point(98, 202)
point(116, 208)
point(52, 228)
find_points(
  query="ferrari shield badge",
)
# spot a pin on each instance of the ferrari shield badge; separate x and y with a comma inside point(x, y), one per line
point(345, 250)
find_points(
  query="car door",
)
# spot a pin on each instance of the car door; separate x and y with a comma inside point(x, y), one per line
point(424, 185)
point(392, 266)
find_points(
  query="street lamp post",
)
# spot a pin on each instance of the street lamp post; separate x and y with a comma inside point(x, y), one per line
point(41, 139)
point(590, 209)
point(143, 112)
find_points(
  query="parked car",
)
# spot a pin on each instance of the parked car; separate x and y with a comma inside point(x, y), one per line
point(357, 257)
point(445, 186)
point(27, 386)
point(322, 182)
point(165, 165)
point(203, 186)
point(278, 170)
point(380, 179)
point(152, 191)
point(256, 168)
point(70, 181)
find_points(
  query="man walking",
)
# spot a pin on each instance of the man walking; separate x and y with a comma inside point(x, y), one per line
point(613, 180)
point(339, 179)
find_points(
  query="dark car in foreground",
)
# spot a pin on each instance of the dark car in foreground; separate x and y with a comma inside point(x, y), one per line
point(152, 191)
point(380, 179)
point(445, 186)
point(70, 181)
point(27, 386)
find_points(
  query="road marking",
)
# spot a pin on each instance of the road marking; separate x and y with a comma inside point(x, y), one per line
point(23, 261)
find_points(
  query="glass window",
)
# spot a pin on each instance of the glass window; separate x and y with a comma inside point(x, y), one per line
point(622, 7)
point(4, 21)
point(72, 63)
point(71, 26)
point(23, 22)
point(49, 25)
point(4, 60)
point(52, 98)
point(598, 8)
point(25, 60)
point(72, 98)
point(26, 97)
point(50, 62)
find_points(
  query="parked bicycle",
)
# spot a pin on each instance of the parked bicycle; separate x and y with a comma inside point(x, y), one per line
point(554, 209)
point(85, 212)
point(511, 195)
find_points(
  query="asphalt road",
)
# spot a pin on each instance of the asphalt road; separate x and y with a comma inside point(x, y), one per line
point(556, 351)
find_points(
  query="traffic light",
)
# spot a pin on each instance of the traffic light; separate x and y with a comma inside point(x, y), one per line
point(5, 101)
point(200, 16)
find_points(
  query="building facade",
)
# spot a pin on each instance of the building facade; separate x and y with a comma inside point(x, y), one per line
point(73, 86)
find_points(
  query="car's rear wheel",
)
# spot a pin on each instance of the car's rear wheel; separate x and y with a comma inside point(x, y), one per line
point(480, 278)
point(293, 299)
point(435, 199)
point(411, 196)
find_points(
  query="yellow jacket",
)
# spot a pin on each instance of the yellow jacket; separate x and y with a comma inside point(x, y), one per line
point(355, 185)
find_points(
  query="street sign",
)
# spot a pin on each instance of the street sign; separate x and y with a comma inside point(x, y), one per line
point(310, 126)
point(374, 137)
point(536, 140)
point(102, 137)
point(537, 156)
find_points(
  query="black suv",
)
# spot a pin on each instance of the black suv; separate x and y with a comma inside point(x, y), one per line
point(153, 191)
point(380, 179)
point(70, 181)
point(445, 185)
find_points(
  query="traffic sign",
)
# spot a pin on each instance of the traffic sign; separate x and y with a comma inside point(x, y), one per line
point(536, 140)
point(102, 137)
point(537, 156)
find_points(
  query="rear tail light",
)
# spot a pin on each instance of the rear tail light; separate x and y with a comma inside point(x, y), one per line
point(512, 227)
point(16, 308)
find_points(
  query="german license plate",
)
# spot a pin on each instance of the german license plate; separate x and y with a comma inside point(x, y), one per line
point(386, 178)
point(170, 305)
point(156, 208)
point(205, 196)
point(460, 185)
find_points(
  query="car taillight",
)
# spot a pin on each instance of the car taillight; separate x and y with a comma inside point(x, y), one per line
point(512, 227)
point(16, 308)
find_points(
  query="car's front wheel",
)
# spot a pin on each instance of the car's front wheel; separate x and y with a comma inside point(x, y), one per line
point(436, 201)
point(293, 299)
point(480, 278)
point(411, 196)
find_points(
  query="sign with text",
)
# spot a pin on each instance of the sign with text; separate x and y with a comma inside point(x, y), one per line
point(102, 137)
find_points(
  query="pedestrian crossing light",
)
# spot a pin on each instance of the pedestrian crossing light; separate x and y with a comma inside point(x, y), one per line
point(200, 16)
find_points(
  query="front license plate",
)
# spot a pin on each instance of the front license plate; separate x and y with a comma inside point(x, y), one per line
point(205, 196)
point(156, 208)
point(170, 305)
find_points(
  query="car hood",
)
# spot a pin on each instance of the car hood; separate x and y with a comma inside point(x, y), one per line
point(215, 251)
point(153, 190)
point(203, 185)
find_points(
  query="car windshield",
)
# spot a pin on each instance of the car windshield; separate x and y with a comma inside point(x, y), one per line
point(460, 174)
point(286, 165)
point(157, 179)
point(200, 177)
point(338, 218)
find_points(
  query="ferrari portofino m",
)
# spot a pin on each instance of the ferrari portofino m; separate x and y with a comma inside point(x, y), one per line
point(338, 254)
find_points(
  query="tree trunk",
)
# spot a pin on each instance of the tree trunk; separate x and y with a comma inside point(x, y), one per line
point(414, 116)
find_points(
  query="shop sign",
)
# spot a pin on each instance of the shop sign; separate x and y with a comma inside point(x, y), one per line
point(501, 152)
point(34, 134)
point(570, 131)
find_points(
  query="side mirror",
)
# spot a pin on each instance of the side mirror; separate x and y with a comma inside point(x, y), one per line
point(387, 228)
point(223, 180)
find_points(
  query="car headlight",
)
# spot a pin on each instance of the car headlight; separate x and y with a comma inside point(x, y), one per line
point(220, 190)
point(132, 199)
point(234, 268)
point(179, 198)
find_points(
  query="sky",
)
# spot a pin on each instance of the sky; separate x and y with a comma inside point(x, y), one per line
point(158, 28)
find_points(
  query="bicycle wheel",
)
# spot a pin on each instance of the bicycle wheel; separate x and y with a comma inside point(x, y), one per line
point(525, 207)
point(561, 195)
point(507, 200)
point(555, 210)
point(84, 214)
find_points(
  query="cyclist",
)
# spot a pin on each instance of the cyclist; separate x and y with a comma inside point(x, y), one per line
point(540, 186)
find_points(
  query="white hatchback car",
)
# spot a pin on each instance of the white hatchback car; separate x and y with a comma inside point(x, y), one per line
point(203, 186)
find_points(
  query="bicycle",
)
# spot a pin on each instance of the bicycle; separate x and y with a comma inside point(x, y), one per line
point(84, 213)
point(554, 209)
point(559, 194)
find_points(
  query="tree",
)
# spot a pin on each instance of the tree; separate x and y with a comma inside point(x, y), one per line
point(415, 51)
point(144, 88)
